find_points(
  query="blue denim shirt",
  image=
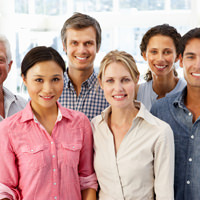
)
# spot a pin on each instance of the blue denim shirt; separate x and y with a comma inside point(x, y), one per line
point(187, 144)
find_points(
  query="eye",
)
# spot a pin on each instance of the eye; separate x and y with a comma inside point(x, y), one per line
point(190, 57)
point(88, 43)
point(2, 61)
point(39, 80)
point(74, 43)
point(55, 79)
point(153, 51)
point(167, 52)
point(109, 81)
point(126, 80)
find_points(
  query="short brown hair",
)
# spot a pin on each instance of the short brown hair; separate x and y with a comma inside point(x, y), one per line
point(80, 21)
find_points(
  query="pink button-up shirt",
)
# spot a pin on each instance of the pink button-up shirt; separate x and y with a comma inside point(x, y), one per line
point(35, 165)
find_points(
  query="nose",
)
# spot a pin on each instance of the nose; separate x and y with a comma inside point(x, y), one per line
point(160, 56)
point(118, 86)
point(47, 87)
point(82, 48)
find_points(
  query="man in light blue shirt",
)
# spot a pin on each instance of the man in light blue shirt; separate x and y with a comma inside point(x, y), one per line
point(182, 112)
point(9, 103)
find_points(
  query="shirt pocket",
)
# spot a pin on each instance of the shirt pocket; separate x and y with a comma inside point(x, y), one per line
point(32, 157)
point(70, 154)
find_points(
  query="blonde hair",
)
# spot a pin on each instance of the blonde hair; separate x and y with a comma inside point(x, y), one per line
point(122, 57)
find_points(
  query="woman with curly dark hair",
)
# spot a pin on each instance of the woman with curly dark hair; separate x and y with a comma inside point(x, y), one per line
point(160, 48)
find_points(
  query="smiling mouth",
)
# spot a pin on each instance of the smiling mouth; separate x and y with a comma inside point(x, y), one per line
point(47, 98)
point(160, 66)
point(196, 74)
point(82, 58)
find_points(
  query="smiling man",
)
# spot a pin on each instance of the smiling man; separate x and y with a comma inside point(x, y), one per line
point(182, 112)
point(81, 39)
point(9, 103)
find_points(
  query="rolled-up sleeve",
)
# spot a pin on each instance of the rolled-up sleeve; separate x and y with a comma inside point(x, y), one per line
point(86, 171)
point(164, 165)
point(8, 168)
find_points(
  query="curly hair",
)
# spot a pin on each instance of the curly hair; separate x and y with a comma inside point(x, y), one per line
point(165, 30)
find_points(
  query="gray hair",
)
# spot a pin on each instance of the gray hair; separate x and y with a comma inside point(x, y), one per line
point(6, 43)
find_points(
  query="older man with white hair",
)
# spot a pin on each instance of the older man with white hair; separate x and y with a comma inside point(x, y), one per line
point(9, 103)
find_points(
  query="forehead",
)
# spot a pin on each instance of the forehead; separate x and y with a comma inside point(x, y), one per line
point(84, 34)
point(193, 46)
point(161, 40)
point(45, 68)
point(116, 69)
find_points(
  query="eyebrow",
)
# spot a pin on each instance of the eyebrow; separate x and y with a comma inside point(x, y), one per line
point(38, 75)
point(189, 53)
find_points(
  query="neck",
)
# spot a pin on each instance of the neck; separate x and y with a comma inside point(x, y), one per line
point(163, 85)
point(123, 116)
point(44, 113)
point(78, 77)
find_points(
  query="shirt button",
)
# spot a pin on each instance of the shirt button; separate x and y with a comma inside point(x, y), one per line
point(55, 197)
point(31, 150)
point(192, 136)
point(189, 113)
point(54, 170)
point(188, 182)
point(53, 156)
point(54, 183)
point(51, 142)
point(190, 159)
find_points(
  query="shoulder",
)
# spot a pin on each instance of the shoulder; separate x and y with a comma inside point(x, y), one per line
point(11, 123)
point(146, 86)
point(73, 115)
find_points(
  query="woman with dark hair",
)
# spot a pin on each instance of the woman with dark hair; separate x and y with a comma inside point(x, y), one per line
point(46, 150)
point(160, 48)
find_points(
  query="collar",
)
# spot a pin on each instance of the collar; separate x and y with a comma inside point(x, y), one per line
point(143, 113)
point(180, 98)
point(9, 95)
point(92, 80)
point(27, 113)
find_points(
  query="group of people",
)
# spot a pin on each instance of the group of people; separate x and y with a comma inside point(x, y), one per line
point(82, 132)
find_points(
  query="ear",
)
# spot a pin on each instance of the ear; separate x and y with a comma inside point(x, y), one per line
point(9, 65)
point(144, 55)
point(181, 61)
point(64, 47)
point(24, 80)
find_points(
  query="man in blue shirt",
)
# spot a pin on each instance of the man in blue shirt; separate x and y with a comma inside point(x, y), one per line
point(182, 112)
point(81, 38)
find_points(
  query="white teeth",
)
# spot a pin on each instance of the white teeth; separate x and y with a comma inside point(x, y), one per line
point(118, 97)
point(80, 58)
point(160, 67)
point(195, 74)
point(46, 97)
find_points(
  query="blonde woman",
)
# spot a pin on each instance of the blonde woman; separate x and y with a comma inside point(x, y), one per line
point(133, 150)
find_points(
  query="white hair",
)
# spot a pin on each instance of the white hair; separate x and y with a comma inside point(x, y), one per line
point(6, 43)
